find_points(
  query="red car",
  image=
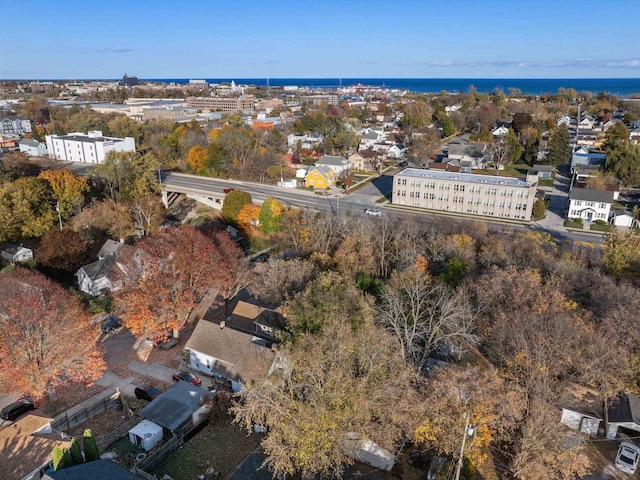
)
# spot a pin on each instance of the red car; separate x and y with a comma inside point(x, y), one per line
point(227, 190)
point(187, 377)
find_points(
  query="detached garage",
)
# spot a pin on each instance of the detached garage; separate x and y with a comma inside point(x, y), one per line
point(146, 434)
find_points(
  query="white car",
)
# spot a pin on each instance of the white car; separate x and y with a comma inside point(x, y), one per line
point(373, 211)
point(627, 457)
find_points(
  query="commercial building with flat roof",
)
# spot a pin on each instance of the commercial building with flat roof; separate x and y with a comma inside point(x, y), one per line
point(222, 104)
point(89, 148)
point(491, 196)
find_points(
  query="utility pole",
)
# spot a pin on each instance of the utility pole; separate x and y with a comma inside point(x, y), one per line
point(464, 439)
point(58, 210)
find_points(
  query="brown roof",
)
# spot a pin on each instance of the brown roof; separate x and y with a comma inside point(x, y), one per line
point(23, 450)
point(238, 356)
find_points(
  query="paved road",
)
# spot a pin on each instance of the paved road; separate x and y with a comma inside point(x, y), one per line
point(367, 197)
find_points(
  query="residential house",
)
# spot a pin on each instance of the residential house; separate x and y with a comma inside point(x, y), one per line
point(14, 125)
point(501, 131)
point(108, 273)
point(101, 469)
point(32, 148)
point(564, 120)
point(228, 354)
point(320, 177)
point(623, 412)
point(584, 155)
point(586, 122)
point(472, 154)
point(590, 204)
point(90, 148)
point(396, 151)
point(13, 253)
point(587, 138)
point(304, 141)
point(26, 446)
point(369, 140)
point(634, 135)
point(338, 164)
point(177, 410)
point(357, 162)
point(606, 125)
point(262, 322)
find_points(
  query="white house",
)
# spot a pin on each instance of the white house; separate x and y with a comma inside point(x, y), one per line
point(89, 148)
point(335, 163)
point(590, 204)
point(14, 125)
point(634, 135)
point(32, 148)
point(501, 131)
point(587, 122)
point(228, 354)
point(16, 253)
point(108, 273)
point(564, 120)
point(584, 155)
point(369, 140)
point(305, 141)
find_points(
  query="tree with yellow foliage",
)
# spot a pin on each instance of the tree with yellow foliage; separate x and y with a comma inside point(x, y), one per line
point(248, 217)
point(68, 189)
point(271, 214)
point(197, 158)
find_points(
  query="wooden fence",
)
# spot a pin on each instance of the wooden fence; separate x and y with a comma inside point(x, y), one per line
point(69, 421)
point(160, 453)
point(107, 439)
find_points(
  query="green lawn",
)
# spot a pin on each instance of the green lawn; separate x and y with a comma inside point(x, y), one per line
point(519, 170)
point(576, 223)
point(601, 228)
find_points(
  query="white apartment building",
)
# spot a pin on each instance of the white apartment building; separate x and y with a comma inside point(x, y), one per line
point(486, 195)
point(14, 125)
point(590, 204)
point(89, 148)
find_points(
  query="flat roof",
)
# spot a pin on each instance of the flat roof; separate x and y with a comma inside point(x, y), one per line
point(465, 177)
point(86, 138)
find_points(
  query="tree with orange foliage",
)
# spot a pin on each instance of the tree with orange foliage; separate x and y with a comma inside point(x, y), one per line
point(175, 270)
point(197, 158)
point(46, 336)
point(248, 218)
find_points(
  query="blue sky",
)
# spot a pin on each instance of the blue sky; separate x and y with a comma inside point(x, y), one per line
point(82, 39)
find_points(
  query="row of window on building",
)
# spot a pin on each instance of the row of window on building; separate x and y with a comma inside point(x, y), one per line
point(504, 192)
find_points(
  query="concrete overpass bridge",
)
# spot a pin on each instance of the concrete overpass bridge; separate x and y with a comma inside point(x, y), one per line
point(208, 191)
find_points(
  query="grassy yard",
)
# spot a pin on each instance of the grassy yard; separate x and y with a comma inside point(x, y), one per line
point(575, 223)
point(221, 445)
point(601, 227)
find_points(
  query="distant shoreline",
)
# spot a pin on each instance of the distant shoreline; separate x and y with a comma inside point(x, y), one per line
point(622, 87)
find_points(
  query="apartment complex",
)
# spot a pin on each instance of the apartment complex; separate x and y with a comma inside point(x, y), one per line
point(487, 195)
point(90, 148)
point(222, 104)
point(14, 125)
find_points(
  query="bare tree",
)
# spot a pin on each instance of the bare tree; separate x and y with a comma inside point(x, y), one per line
point(499, 151)
point(425, 315)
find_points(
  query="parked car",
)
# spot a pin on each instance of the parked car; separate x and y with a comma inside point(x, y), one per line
point(627, 457)
point(172, 342)
point(373, 211)
point(110, 325)
point(262, 258)
point(187, 377)
point(228, 190)
point(403, 163)
point(14, 410)
point(146, 392)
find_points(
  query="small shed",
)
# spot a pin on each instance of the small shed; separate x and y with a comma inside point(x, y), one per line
point(16, 253)
point(622, 218)
point(146, 434)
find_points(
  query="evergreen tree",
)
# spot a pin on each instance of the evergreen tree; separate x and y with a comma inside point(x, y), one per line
point(513, 146)
point(448, 128)
point(61, 458)
point(539, 209)
point(76, 453)
point(559, 146)
point(91, 451)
